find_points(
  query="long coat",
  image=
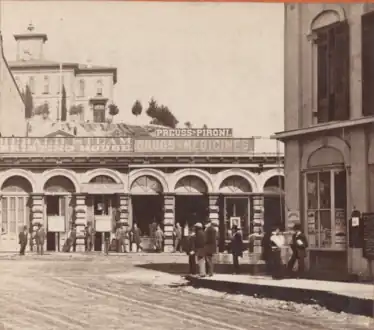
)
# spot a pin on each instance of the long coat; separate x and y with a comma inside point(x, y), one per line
point(237, 244)
point(136, 235)
point(40, 236)
point(200, 243)
point(210, 240)
point(22, 238)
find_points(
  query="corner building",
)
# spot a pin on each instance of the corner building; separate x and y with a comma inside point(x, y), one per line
point(329, 141)
point(108, 174)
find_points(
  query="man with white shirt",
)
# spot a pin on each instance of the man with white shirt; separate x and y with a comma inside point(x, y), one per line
point(277, 241)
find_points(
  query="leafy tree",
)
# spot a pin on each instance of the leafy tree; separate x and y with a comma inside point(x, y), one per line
point(64, 110)
point(188, 124)
point(161, 115)
point(29, 103)
point(137, 108)
point(113, 110)
point(76, 110)
point(205, 126)
point(42, 110)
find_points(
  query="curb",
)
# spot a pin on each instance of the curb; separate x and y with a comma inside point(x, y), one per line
point(332, 301)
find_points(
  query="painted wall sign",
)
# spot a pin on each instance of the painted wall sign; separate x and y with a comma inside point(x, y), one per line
point(56, 223)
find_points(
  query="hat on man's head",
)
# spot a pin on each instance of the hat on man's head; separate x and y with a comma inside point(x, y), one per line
point(198, 225)
point(297, 226)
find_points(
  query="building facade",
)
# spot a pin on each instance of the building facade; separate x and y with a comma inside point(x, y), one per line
point(329, 141)
point(87, 86)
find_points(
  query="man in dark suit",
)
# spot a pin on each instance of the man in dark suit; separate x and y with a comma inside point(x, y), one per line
point(200, 248)
point(39, 239)
point(22, 238)
point(190, 250)
point(299, 244)
point(210, 246)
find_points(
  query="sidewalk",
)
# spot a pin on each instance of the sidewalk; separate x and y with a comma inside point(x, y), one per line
point(354, 298)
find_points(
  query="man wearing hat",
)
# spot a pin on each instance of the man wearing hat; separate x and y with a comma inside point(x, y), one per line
point(191, 251)
point(200, 248)
point(210, 246)
point(299, 244)
point(22, 238)
point(40, 239)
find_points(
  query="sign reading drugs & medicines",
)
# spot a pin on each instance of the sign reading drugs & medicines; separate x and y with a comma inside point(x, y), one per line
point(118, 146)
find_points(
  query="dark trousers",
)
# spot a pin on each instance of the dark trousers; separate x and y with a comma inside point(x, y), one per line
point(192, 263)
point(209, 264)
point(40, 248)
point(235, 261)
point(275, 264)
point(178, 245)
point(121, 246)
point(299, 257)
point(22, 248)
point(88, 244)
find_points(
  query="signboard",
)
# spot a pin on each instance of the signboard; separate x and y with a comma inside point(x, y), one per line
point(56, 223)
point(102, 188)
point(194, 146)
point(66, 145)
point(235, 221)
point(340, 229)
point(194, 132)
point(103, 223)
point(368, 235)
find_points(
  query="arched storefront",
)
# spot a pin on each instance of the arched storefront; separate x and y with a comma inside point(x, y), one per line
point(15, 210)
point(274, 203)
point(236, 205)
point(191, 201)
point(59, 210)
point(147, 204)
point(325, 202)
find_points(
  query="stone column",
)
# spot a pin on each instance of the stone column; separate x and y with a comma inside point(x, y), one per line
point(258, 221)
point(169, 222)
point(123, 202)
point(214, 209)
point(37, 215)
point(80, 220)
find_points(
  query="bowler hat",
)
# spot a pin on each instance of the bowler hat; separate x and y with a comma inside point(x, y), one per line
point(198, 225)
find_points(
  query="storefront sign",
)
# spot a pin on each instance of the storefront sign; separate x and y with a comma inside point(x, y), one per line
point(368, 235)
point(56, 223)
point(188, 146)
point(66, 145)
point(340, 229)
point(103, 223)
point(102, 188)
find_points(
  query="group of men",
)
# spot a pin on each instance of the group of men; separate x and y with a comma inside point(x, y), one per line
point(39, 236)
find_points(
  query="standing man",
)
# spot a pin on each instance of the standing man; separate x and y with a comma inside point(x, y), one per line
point(22, 237)
point(299, 244)
point(200, 248)
point(152, 234)
point(122, 238)
point(210, 246)
point(177, 238)
point(135, 238)
point(191, 251)
point(40, 239)
point(88, 236)
point(236, 248)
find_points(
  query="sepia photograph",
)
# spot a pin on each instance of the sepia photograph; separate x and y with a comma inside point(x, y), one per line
point(186, 165)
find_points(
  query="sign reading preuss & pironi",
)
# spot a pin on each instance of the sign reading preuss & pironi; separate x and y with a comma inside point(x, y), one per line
point(123, 145)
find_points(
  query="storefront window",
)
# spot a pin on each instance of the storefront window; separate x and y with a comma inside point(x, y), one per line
point(102, 205)
point(326, 209)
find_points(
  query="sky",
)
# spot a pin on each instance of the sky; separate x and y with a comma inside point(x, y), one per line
point(219, 64)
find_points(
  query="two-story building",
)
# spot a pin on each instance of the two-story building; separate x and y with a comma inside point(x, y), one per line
point(329, 140)
point(85, 85)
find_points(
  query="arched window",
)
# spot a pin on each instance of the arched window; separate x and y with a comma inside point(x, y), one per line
point(46, 85)
point(32, 85)
point(99, 88)
point(82, 87)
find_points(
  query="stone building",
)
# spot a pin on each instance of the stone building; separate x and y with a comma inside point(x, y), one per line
point(329, 141)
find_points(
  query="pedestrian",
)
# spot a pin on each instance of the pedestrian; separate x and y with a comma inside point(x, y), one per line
point(299, 244)
point(159, 239)
point(236, 248)
point(122, 238)
point(88, 235)
point(118, 238)
point(152, 233)
point(266, 251)
point(210, 247)
point(200, 248)
point(190, 250)
point(277, 242)
point(40, 239)
point(135, 238)
point(177, 238)
point(22, 239)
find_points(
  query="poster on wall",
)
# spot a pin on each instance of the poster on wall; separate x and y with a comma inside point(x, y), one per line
point(56, 223)
point(340, 229)
point(103, 223)
point(311, 225)
point(235, 221)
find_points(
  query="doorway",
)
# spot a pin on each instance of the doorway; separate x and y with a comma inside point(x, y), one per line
point(191, 209)
point(98, 241)
point(55, 211)
point(274, 212)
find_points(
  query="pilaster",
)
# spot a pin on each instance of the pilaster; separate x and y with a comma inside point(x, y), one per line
point(123, 202)
point(214, 209)
point(258, 221)
point(169, 222)
point(80, 220)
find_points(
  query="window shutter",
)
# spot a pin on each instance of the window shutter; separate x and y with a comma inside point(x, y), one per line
point(340, 72)
point(367, 27)
point(323, 77)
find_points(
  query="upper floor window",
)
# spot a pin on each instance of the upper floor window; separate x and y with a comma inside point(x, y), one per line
point(60, 83)
point(82, 87)
point(367, 34)
point(46, 85)
point(32, 85)
point(99, 114)
point(99, 88)
point(332, 50)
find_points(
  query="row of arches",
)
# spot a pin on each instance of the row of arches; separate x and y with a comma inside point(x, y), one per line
point(148, 181)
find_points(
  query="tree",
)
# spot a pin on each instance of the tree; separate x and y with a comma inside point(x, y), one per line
point(113, 110)
point(42, 110)
point(188, 124)
point(161, 115)
point(137, 108)
point(205, 126)
point(64, 110)
point(29, 103)
point(76, 110)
